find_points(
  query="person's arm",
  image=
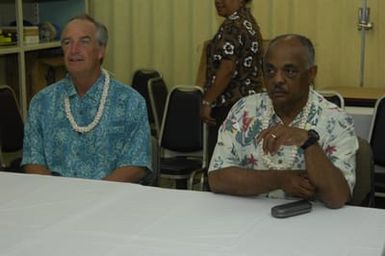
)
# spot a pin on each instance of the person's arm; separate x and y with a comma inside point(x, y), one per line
point(222, 80)
point(126, 174)
point(202, 68)
point(332, 187)
point(36, 169)
point(243, 182)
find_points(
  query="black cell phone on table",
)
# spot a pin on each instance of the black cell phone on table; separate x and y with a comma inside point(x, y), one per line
point(291, 209)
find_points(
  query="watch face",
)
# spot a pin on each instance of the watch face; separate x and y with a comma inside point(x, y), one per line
point(312, 133)
point(313, 138)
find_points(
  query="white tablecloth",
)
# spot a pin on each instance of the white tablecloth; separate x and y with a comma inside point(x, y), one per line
point(41, 215)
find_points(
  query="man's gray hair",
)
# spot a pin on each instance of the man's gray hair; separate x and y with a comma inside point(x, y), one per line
point(101, 29)
point(307, 44)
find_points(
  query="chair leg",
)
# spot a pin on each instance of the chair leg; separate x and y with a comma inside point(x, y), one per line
point(192, 179)
point(202, 181)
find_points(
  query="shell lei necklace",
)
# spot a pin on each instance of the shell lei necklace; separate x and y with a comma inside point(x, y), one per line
point(272, 162)
point(99, 113)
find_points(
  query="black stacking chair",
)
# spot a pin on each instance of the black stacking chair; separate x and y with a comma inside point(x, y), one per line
point(157, 91)
point(181, 136)
point(11, 130)
point(334, 97)
point(139, 83)
point(363, 193)
point(377, 142)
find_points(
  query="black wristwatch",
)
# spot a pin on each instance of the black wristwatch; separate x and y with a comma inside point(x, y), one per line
point(313, 137)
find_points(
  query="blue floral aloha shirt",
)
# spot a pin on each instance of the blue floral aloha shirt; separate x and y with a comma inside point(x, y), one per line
point(237, 144)
point(122, 137)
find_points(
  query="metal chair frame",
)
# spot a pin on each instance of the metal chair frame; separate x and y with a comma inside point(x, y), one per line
point(13, 151)
point(157, 92)
point(379, 164)
point(194, 155)
point(329, 94)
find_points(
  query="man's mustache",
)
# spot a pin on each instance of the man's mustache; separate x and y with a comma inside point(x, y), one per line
point(278, 89)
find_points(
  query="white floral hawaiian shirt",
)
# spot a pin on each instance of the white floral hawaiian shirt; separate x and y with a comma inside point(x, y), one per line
point(237, 145)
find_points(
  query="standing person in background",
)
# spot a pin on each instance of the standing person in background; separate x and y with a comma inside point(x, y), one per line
point(87, 125)
point(234, 64)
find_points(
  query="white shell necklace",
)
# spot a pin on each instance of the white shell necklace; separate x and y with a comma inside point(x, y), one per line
point(99, 113)
point(285, 164)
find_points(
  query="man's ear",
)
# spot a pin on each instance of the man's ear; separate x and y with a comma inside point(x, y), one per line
point(102, 52)
point(313, 73)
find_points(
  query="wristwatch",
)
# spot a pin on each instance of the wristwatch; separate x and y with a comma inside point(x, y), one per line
point(312, 138)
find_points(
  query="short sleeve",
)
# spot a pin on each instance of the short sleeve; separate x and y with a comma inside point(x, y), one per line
point(229, 42)
point(341, 144)
point(225, 152)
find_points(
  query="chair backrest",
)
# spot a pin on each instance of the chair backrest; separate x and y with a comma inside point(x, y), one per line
point(139, 83)
point(334, 97)
point(363, 193)
point(157, 91)
point(182, 127)
point(11, 122)
point(377, 132)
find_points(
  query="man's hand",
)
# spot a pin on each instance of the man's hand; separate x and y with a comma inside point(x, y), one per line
point(298, 185)
point(279, 135)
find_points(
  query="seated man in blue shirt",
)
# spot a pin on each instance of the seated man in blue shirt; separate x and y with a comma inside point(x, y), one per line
point(87, 125)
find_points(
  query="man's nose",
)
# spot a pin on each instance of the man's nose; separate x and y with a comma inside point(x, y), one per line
point(279, 77)
point(74, 47)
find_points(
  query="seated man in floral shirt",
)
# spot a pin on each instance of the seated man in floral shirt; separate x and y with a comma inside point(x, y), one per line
point(289, 141)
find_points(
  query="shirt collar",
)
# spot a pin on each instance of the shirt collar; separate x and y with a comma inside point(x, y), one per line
point(298, 117)
point(93, 93)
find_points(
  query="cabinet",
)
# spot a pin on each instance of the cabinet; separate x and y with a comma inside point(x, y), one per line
point(21, 56)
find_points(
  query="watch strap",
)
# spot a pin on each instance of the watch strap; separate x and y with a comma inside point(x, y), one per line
point(313, 138)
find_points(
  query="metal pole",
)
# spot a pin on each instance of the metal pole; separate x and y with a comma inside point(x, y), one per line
point(363, 25)
point(362, 20)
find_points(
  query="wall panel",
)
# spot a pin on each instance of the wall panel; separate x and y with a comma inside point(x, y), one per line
point(168, 34)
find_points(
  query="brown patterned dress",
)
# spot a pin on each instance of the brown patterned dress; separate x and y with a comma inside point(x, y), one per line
point(238, 39)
